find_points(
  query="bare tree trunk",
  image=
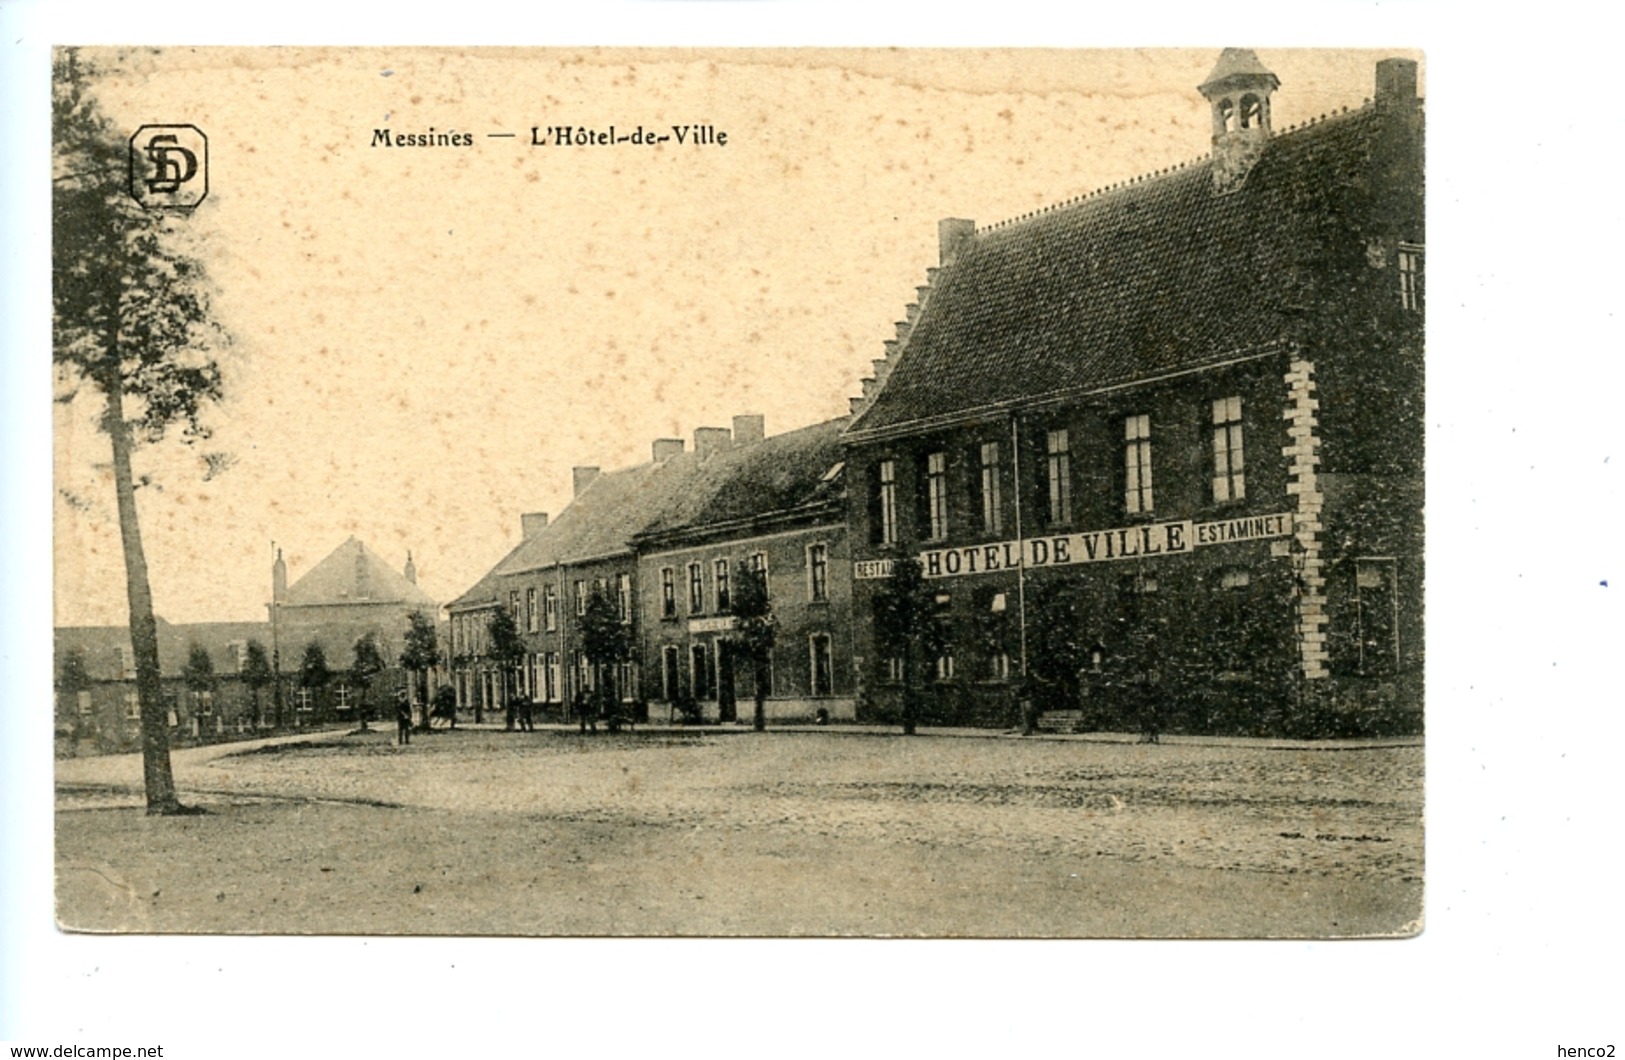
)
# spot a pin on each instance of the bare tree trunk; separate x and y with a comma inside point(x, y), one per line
point(159, 778)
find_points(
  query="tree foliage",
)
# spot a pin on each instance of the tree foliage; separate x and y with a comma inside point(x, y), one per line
point(132, 325)
point(907, 627)
point(420, 653)
point(72, 675)
point(314, 673)
point(198, 673)
point(504, 646)
point(606, 638)
point(366, 663)
point(756, 630)
point(256, 672)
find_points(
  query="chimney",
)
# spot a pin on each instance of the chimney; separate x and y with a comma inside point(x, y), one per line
point(581, 478)
point(749, 428)
point(954, 234)
point(666, 448)
point(411, 568)
point(532, 523)
point(1396, 82)
point(708, 440)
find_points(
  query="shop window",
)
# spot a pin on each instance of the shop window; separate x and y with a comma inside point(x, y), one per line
point(1235, 578)
point(1229, 477)
point(1138, 498)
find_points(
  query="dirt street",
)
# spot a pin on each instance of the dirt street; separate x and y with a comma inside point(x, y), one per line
point(739, 833)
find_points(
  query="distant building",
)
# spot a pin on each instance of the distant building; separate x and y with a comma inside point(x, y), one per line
point(100, 713)
point(1160, 447)
point(350, 593)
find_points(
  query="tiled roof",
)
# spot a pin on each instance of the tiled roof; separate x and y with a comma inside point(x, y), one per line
point(752, 482)
point(618, 508)
point(1159, 276)
point(340, 579)
point(100, 645)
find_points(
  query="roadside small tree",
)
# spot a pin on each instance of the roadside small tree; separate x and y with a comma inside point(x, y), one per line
point(505, 648)
point(314, 673)
point(906, 626)
point(606, 640)
point(419, 654)
point(256, 674)
point(198, 675)
point(365, 667)
point(756, 629)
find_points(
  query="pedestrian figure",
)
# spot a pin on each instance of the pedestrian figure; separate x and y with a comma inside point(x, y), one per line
point(527, 721)
point(403, 719)
point(581, 709)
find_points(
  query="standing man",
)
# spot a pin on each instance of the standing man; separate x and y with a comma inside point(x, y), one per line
point(403, 718)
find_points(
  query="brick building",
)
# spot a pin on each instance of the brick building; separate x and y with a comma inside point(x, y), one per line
point(350, 593)
point(96, 706)
point(776, 505)
point(1158, 449)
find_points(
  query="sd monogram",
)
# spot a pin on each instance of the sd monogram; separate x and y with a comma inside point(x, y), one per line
point(169, 166)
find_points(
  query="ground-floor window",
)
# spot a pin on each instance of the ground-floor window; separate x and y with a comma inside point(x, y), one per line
point(668, 673)
point(894, 669)
point(700, 663)
point(341, 698)
point(305, 700)
point(1377, 606)
point(823, 665)
point(132, 705)
point(626, 681)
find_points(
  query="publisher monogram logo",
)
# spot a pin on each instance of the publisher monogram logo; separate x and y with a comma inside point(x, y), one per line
point(169, 166)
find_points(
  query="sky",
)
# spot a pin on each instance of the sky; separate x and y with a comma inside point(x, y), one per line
point(427, 340)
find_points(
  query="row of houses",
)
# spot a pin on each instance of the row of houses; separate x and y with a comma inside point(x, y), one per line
point(1155, 449)
point(229, 679)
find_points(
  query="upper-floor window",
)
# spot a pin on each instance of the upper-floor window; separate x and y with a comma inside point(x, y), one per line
point(992, 508)
point(1058, 468)
point(530, 609)
point(696, 589)
point(581, 598)
point(550, 609)
point(1229, 477)
point(886, 502)
point(719, 572)
point(818, 572)
point(936, 495)
point(1410, 276)
point(1137, 495)
point(623, 595)
point(513, 605)
point(668, 592)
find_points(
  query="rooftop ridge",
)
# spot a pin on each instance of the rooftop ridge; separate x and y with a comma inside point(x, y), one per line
point(1155, 174)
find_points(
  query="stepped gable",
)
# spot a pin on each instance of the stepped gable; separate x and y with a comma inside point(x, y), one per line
point(354, 574)
point(780, 475)
point(1155, 276)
